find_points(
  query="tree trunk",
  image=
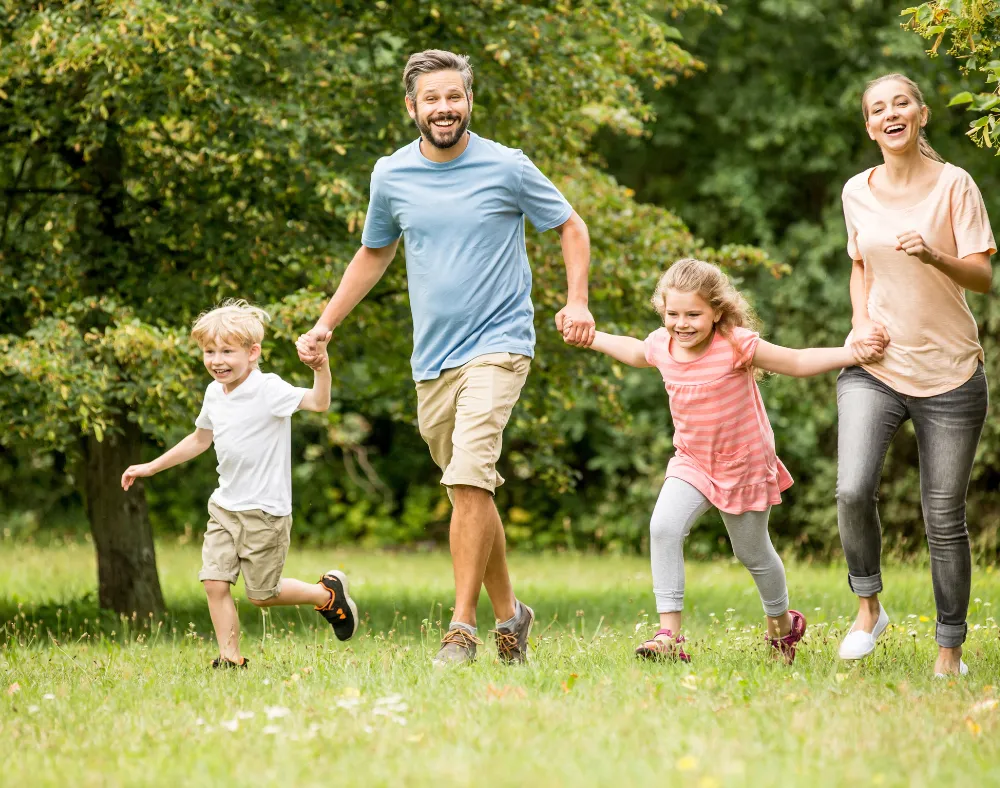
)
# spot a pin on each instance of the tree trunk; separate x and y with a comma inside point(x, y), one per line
point(126, 560)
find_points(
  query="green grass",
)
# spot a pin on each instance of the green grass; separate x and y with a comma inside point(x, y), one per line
point(106, 702)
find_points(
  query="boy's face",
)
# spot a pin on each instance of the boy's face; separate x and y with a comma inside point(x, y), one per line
point(229, 362)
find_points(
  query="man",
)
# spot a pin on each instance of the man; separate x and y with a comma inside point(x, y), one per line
point(459, 202)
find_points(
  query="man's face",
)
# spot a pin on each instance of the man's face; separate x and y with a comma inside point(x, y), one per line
point(442, 109)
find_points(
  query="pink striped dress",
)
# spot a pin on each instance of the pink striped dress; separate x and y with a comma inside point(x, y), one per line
point(723, 439)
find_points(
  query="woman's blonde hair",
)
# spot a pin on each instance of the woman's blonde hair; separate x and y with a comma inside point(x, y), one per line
point(696, 276)
point(234, 320)
point(914, 90)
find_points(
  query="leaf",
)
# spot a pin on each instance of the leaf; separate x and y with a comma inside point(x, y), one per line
point(965, 97)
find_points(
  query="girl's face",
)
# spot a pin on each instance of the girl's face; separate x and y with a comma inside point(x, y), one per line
point(894, 116)
point(690, 319)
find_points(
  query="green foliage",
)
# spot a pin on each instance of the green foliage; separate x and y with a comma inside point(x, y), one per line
point(159, 157)
point(972, 29)
point(757, 149)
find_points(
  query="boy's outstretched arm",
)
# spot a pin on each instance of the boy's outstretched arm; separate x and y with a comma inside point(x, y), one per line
point(318, 399)
point(815, 360)
point(627, 350)
point(193, 445)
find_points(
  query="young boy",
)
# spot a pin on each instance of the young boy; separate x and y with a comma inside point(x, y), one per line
point(247, 414)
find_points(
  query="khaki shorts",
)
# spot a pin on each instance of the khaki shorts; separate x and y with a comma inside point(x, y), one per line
point(252, 542)
point(462, 414)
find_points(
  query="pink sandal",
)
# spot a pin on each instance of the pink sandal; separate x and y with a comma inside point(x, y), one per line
point(663, 649)
point(785, 646)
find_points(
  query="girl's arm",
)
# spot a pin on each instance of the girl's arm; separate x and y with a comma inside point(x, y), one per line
point(189, 448)
point(627, 350)
point(812, 361)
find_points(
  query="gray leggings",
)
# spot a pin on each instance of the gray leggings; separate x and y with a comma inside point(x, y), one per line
point(676, 511)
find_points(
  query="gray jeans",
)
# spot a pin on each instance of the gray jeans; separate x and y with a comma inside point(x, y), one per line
point(676, 511)
point(947, 427)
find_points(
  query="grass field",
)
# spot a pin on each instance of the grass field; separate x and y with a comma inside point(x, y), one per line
point(89, 700)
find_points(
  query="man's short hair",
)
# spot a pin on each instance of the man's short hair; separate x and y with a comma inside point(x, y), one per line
point(234, 321)
point(431, 60)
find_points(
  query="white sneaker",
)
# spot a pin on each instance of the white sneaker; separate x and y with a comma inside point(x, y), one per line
point(859, 643)
point(963, 670)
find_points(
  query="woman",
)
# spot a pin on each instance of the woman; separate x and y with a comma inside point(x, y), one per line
point(919, 237)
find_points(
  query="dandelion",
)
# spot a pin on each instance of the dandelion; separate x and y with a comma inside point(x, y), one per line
point(33, 709)
point(270, 730)
point(267, 682)
point(974, 727)
point(199, 721)
point(924, 619)
point(244, 715)
point(48, 696)
point(985, 705)
point(348, 703)
point(276, 712)
point(687, 763)
point(230, 725)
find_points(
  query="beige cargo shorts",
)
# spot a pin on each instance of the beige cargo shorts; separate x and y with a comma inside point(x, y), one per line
point(253, 543)
point(462, 415)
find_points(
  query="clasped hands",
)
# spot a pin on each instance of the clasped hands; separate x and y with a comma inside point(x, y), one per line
point(576, 325)
point(311, 347)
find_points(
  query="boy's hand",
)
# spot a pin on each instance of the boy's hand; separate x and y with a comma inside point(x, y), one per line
point(312, 349)
point(134, 472)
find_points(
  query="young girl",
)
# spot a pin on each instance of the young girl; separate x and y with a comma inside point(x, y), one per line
point(707, 352)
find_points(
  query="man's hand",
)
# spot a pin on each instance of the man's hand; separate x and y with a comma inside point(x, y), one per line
point(576, 324)
point(311, 346)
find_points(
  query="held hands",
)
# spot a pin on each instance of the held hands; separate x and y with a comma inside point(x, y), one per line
point(869, 342)
point(311, 347)
point(134, 472)
point(913, 244)
point(576, 324)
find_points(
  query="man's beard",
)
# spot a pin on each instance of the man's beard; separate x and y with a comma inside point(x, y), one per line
point(455, 133)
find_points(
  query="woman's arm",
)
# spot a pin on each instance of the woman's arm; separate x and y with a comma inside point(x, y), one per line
point(973, 272)
point(811, 361)
point(627, 350)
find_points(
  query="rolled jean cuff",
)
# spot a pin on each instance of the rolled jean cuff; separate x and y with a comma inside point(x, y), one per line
point(865, 586)
point(950, 635)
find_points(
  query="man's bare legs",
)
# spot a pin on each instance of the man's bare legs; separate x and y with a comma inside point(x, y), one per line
point(478, 555)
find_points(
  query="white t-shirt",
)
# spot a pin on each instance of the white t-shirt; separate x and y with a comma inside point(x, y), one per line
point(252, 429)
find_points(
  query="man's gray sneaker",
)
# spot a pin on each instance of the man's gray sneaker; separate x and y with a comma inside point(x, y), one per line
point(512, 641)
point(458, 646)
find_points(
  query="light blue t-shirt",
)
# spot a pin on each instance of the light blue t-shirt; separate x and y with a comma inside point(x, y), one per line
point(462, 223)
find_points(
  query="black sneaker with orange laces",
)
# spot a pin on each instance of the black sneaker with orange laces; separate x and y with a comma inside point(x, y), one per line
point(340, 610)
point(224, 663)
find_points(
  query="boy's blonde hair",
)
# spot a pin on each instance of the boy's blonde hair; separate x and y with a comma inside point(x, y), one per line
point(234, 321)
point(696, 276)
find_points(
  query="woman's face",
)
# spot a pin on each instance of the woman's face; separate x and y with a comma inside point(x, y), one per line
point(895, 118)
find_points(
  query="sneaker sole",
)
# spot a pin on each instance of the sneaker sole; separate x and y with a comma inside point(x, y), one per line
point(347, 597)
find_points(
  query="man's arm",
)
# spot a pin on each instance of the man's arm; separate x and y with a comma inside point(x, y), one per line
point(364, 271)
point(575, 317)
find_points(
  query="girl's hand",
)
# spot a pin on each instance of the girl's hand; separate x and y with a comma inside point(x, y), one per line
point(568, 332)
point(134, 472)
point(869, 335)
point(913, 244)
point(868, 352)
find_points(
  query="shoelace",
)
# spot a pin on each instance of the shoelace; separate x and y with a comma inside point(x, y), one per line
point(507, 642)
point(460, 637)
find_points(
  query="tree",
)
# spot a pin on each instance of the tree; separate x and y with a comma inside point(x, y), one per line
point(162, 156)
point(972, 28)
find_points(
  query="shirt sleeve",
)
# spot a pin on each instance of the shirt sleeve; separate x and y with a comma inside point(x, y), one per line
point(970, 222)
point(744, 346)
point(539, 199)
point(283, 398)
point(204, 420)
point(655, 346)
point(852, 236)
point(381, 228)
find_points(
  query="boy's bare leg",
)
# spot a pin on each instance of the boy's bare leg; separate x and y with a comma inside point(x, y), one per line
point(224, 619)
point(295, 592)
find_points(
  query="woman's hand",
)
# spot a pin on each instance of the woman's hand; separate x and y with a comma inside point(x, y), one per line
point(913, 244)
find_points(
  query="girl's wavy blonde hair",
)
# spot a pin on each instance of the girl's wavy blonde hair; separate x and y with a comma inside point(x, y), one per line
point(234, 321)
point(696, 276)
